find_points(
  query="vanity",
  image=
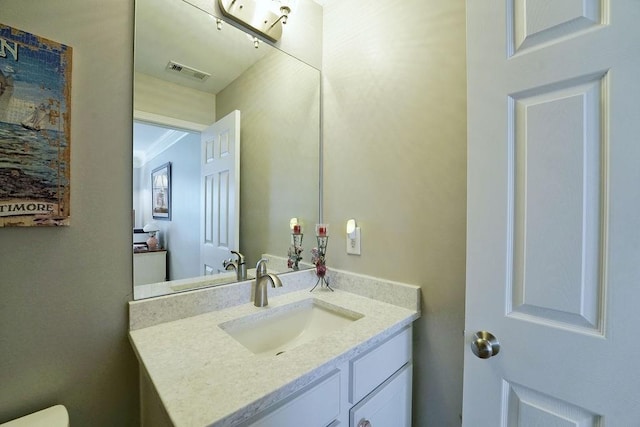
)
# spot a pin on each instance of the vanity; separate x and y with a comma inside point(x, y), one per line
point(209, 357)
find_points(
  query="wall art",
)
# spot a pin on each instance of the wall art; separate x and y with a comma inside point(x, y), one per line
point(161, 192)
point(35, 130)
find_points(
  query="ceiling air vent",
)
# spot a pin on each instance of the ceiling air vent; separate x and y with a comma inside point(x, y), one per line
point(183, 70)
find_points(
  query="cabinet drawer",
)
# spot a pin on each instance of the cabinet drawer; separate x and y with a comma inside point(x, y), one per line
point(373, 368)
point(388, 405)
point(316, 406)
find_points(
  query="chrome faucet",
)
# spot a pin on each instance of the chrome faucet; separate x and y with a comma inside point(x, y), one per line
point(239, 266)
point(262, 277)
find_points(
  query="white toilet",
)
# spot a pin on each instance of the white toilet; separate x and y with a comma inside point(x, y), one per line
point(56, 416)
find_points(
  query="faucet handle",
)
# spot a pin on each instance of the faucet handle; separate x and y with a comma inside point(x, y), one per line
point(228, 264)
point(240, 257)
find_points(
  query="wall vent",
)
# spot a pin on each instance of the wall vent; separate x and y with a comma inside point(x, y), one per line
point(186, 71)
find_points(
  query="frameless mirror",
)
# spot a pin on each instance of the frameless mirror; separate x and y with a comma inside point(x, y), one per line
point(194, 73)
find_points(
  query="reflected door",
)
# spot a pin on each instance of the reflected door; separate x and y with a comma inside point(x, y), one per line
point(553, 251)
point(220, 214)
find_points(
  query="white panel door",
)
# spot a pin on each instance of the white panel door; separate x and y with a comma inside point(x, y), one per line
point(220, 216)
point(553, 242)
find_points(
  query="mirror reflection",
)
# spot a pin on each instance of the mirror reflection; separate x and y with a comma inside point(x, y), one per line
point(237, 127)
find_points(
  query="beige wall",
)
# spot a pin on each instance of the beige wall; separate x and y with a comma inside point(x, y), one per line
point(63, 314)
point(279, 101)
point(171, 100)
point(395, 155)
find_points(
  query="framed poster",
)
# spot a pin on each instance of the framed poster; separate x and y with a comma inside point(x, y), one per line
point(161, 192)
point(35, 129)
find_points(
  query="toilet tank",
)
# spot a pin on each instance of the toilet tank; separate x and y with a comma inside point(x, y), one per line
point(56, 416)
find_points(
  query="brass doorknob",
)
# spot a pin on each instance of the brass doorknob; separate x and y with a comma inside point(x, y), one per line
point(485, 345)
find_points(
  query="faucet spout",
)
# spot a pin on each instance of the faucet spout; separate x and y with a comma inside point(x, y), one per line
point(262, 278)
point(241, 266)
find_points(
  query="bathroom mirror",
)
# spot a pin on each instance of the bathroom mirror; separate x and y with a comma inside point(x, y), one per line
point(191, 70)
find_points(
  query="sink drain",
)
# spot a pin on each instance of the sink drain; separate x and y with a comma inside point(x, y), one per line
point(280, 352)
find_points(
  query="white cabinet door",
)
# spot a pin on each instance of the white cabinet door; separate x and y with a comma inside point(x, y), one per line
point(388, 405)
point(149, 267)
point(553, 246)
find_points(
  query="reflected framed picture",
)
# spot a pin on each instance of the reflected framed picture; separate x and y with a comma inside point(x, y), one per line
point(161, 192)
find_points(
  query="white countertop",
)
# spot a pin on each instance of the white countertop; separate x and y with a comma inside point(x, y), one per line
point(206, 378)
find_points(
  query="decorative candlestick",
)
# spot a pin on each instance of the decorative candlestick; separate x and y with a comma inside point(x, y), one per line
point(295, 250)
point(318, 257)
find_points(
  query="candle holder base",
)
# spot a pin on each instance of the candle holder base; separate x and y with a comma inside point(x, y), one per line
point(324, 284)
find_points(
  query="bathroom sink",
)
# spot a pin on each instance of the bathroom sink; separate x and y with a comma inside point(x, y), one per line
point(279, 329)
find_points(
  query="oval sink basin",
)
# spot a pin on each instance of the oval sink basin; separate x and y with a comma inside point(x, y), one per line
point(279, 329)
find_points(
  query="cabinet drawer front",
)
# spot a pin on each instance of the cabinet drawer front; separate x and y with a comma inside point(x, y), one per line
point(371, 369)
point(388, 405)
point(318, 406)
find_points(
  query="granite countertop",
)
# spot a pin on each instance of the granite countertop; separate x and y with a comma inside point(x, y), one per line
point(206, 378)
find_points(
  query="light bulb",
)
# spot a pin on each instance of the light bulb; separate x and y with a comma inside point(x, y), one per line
point(351, 228)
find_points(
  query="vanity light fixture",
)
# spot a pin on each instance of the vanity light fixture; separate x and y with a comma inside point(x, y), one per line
point(353, 237)
point(285, 10)
point(264, 17)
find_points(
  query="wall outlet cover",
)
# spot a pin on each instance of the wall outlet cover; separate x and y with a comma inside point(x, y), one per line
point(353, 245)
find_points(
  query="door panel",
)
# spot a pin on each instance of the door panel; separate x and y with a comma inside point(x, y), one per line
point(553, 237)
point(529, 408)
point(557, 166)
point(221, 192)
point(536, 22)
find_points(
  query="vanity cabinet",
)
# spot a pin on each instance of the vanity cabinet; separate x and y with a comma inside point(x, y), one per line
point(194, 373)
point(388, 405)
point(149, 267)
point(316, 405)
point(380, 384)
point(371, 390)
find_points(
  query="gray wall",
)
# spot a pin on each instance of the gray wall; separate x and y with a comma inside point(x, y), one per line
point(63, 312)
point(180, 236)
